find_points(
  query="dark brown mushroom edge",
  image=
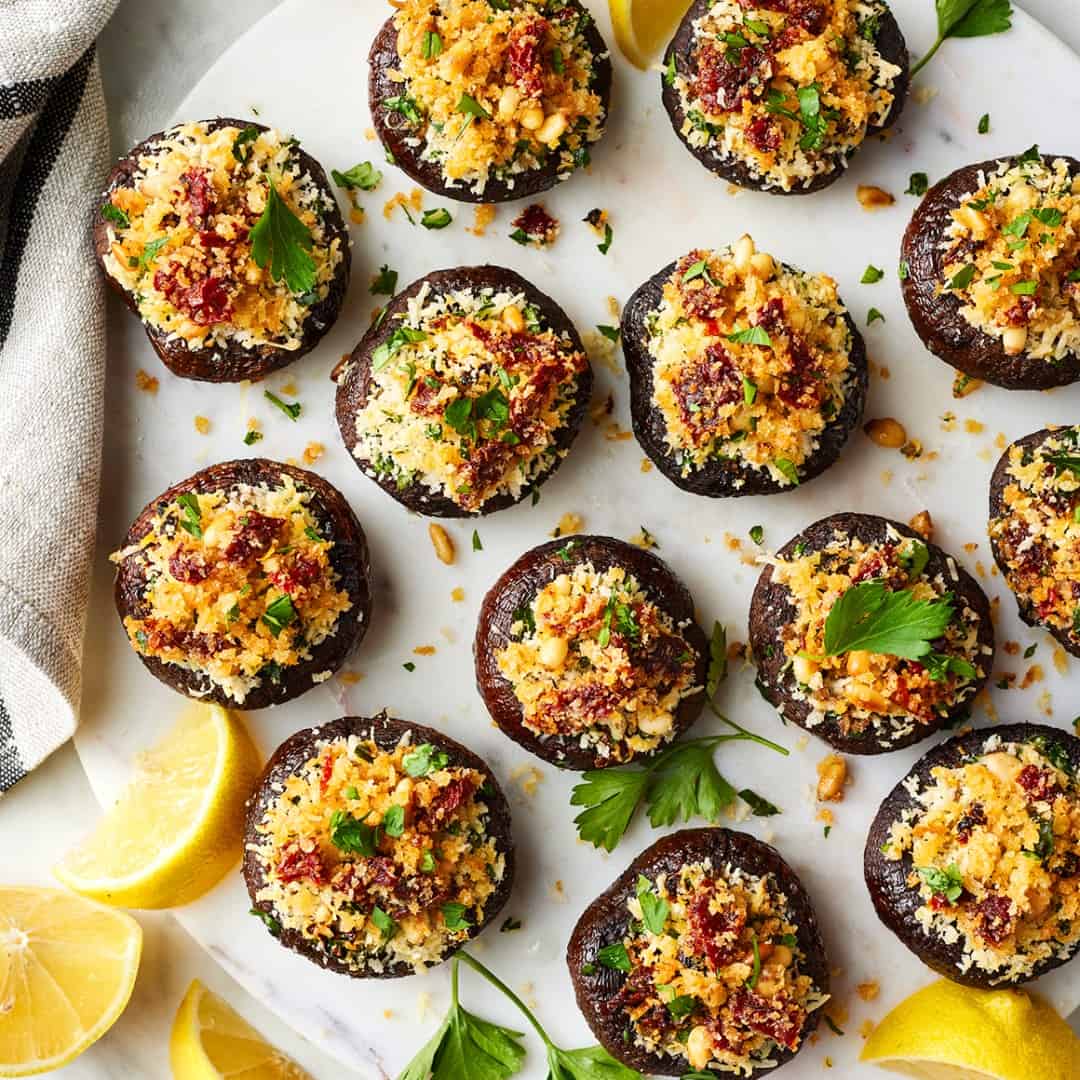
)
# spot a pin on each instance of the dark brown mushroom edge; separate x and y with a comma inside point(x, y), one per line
point(990, 264)
point(376, 847)
point(1034, 528)
point(777, 95)
point(858, 701)
point(184, 234)
point(746, 376)
point(704, 955)
point(245, 584)
point(484, 103)
point(587, 653)
point(973, 860)
point(466, 396)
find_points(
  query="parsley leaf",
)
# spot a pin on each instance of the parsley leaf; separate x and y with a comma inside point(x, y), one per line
point(364, 177)
point(962, 278)
point(456, 917)
point(610, 797)
point(750, 335)
point(654, 909)
point(290, 409)
point(759, 807)
point(279, 614)
point(717, 659)
point(281, 239)
point(113, 213)
point(948, 882)
point(436, 219)
point(588, 1063)
point(984, 123)
point(871, 275)
point(689, 785)
point(351, 835)
point(245, 136)
point(383, 923)
point(967, 18)
point(385, 282)
point(872, 618)
point(424, 759)
point(873, 316)
point(615, 957)
point(191, 517)
point(917, 184)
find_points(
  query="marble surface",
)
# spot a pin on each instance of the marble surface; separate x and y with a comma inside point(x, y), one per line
point(152, 54)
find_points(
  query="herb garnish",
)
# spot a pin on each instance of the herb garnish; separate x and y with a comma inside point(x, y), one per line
point(402, 336)
point(984, 123)
point(610, 332)
point(385, 282)
point(615, 957)
point(948, 882)
point(750, 335)
point(111, 212)
point(191, 516)
point(477, 545)
point(871, 275)
point(872, 618)
point(424, 759)
point(962, 278)
point(917, 184)
point(279, 614)
point(967, 18)
point(436, 219)
point(281, 239)
point(873, 316)
point(654, 908)
point(241, 150)
point(605, 245)
point(351, 835)
point(290, 409)
point(467, 1046)
point(364, 177)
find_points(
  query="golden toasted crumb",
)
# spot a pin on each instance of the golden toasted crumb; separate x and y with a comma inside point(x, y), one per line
point(483, 216)
point(826, 816)
point(388, 1014)
point(457, 594)
point(569, 523)
point(145, 382)
point(415, 200)
point(350, 678)
point(528, 778)
point(886, 432)
point(290, 389)
point(424, 650)
point(644, 539)
point(1012, 648)
point(866, 1028)
point(948, 421)
point(923, 524)
point(600, 408)
point(356, 215)
point(646, 465)
point(868, 991)
point(971, 548)
point(886, 477)
point(1061, 660)
point(1044, 703)
point(1033, 675)
point(979, 568)
point(1000, 440)
point(312, 452)
point(912, 450)
point(441, 542)
point(202, 425)
point(974, 427)
point(558, 891)
point(733, 543)
point(924, 94)
point(873, 198)
point(614, 308)
point(736, 650)
point(253, 423)
point(832, 774)
point(614, 433)
point(964, 385)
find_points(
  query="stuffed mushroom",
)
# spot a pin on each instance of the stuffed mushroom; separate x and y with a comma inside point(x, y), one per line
point(485, 102)
point(588, 655)
point(225, 239)
point(746, 375)
point(973, 860)
point(777, 95)
point(1034, 527)
point(991, 270)
point(245, 584)
point(703, 956)
point(376, 847)
point(466, 395)
point(869, 636)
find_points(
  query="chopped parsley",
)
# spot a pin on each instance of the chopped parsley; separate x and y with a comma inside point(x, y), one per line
point(363, 177)
point(290, 409)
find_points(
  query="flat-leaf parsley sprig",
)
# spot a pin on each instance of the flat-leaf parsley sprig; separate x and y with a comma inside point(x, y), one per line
point(967, 18)
point(680, 783)
point(467, 1046)
point(281, 239)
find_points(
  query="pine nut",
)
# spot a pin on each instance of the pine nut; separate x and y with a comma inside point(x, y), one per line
point(508, 102)
point(804, 668)
point(553, 652)
point(441, 542)
point(531, 119)
point(742, 252)
point(513, 319)
point(1014, 339)
point(1004, 766)
point(552, 129)
point(923, 524)
point(858, 662)
point(832, 775)
point(699, 1045)
point(762, 265)
point(887, 432)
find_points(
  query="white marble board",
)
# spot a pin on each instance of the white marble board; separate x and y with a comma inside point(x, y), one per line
point(305, 71)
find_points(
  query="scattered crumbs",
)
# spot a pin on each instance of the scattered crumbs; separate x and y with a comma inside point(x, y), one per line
point(483, 216)
point(1061, 660)
point(356, 215)
point(884, 372)
point(527, 777)
point(614, 433)
point(423, 1003)
point(646, 465)
point(448, 634)
point(600, 408)
point(1033, 675)
point(535, 226)
point(558, 891)
point(253, 423)
point(369, 134)
point(644, 539)
point(979, 568)
point(836, 1015)
point(948, 421)
point(457, 594)
point(424, 650)
point(350, 678)
point(964, 385)
point(974, 427)
point(596, 219)
point(828, 1062)
point(736, 651)
point(312, 452)
point(569, 523)
point(388, 1014)
point(886, 477)
point(202, 425)
point(414, 201)
point(442, 543)
point(601, 350)
point(147, 383)
point(1000, 441)
point(291, 461)
point(802, 742)
point(923, 94)
point(987, 705)
point(923, 524)
point(1045, 703)
point(868, 991)
point(912, 449)
point(866, 1028)
point(290, 389)
point(614, 309)
point(733, 190)
point(826, 817)
point(971, 548)
point(832, 774)
point(732, 543)
point(985, 454)
point(1012, 648)
point(873, 198)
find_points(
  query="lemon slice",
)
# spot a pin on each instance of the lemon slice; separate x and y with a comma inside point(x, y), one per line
point(178, 828)
point(67, 969)
point(210, 1041)
point(644, 27)
point(950, 1032)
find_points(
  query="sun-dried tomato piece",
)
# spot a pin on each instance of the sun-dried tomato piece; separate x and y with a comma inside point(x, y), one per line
point(524, 56)
point(254, 537)
point(537, 224)
point(776, 1018)
point(704, 388)
point(449, 799)
point(764, 134)
point(1039, 784)
point(296, 864)
point(727, 77)
point(995, 919)
point(205, 301)
point(301, 572)
point(198, 193)
point(188, 566)
point(714, 934)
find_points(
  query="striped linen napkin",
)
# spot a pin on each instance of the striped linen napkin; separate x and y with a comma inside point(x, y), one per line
point(54, 155)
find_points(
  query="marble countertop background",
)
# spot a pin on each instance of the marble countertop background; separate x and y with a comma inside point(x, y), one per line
point(152, 53)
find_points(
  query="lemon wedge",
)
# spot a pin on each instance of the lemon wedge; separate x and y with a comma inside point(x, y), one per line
point(211, 1041)
point(67, 969)
point(178, 828)
point(950, 1032)
point(644, 27)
